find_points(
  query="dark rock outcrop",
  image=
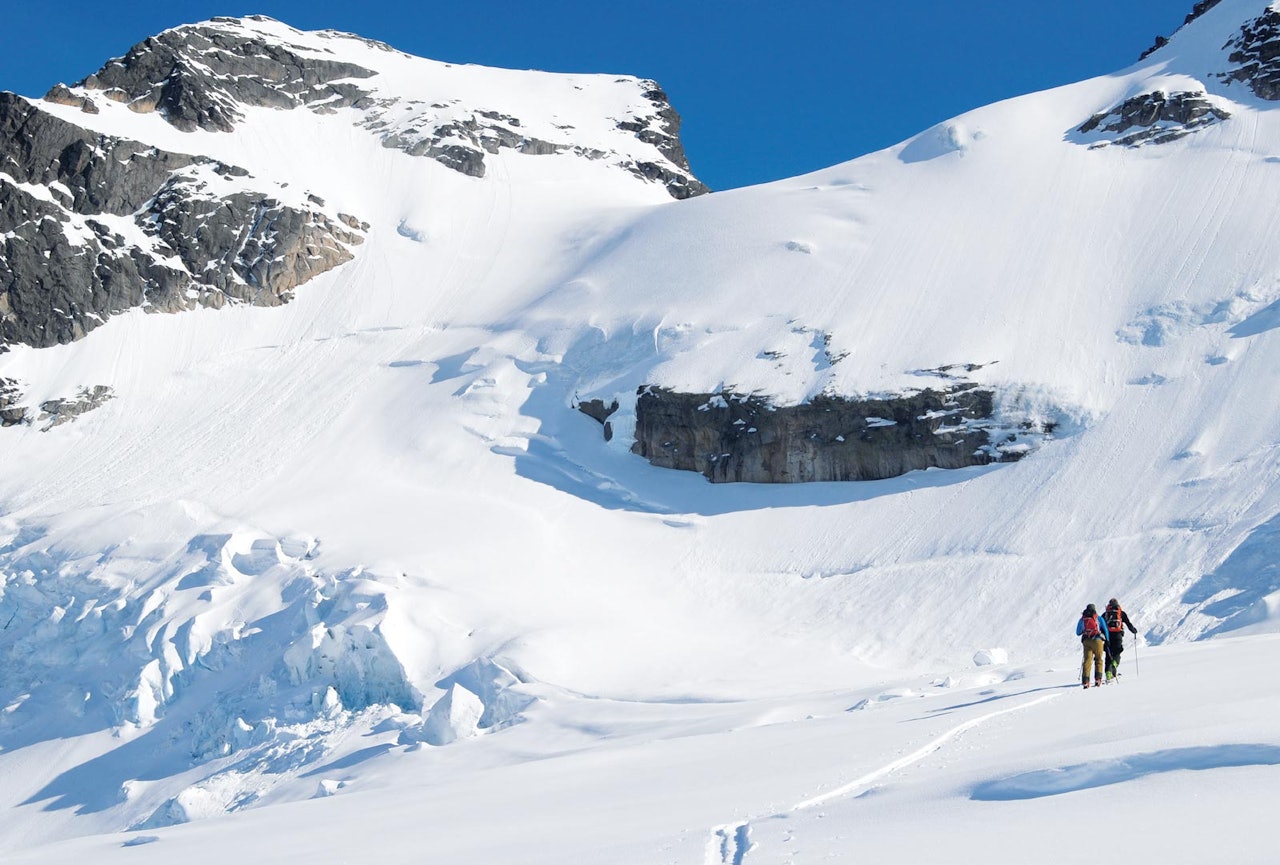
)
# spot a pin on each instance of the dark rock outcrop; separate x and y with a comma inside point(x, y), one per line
point(439, 142)
point(662, 130)
point(198, 76)
point(461, 143)
point(65, 265)
point(245, 246)
point(11, 414)
point(56, 412)
point(596, 408)
point(734, 437)
point(1153, 118)
point(1256, 53)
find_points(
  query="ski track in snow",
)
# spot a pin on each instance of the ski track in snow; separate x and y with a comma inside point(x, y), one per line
point(730, 843)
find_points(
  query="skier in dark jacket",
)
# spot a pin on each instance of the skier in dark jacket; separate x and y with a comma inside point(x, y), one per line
point(1117, 620)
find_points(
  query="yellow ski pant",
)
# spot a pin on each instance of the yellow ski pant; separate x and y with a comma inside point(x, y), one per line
point(1093, 650)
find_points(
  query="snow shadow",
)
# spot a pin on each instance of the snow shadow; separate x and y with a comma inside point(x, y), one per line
point(1102, 773)
point(1242, 583)
point(1265, 319)
point(570, 454)
point(453, 366)
point(941, 140)
point(96, 784)
point(946, 710)
point(351, 760)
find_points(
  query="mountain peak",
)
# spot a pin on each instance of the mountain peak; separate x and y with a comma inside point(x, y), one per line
point(201, 217)
point(206, 76)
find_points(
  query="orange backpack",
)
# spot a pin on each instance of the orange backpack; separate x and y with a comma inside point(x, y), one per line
point(1115, 620)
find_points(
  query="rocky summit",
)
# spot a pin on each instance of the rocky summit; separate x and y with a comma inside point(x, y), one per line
point(94, 224)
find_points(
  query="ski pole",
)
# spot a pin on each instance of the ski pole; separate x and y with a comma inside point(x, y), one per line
point(1137, 638)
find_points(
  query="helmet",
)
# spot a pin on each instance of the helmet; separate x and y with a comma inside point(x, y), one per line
point(1113, 603)
point(1091, 609)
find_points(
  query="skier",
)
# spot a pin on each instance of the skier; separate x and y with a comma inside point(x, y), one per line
point(1091, 631)
point(1117, 620)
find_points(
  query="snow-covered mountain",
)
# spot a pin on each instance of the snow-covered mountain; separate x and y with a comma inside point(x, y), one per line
point(396, 487)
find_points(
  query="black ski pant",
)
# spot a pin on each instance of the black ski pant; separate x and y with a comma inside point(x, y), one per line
point(1115, 648)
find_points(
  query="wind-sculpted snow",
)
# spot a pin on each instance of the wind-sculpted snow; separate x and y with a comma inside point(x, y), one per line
point(1247, 312)
point(1244, 591)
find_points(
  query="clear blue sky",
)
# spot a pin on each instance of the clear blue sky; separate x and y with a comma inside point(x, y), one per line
point(766, 89)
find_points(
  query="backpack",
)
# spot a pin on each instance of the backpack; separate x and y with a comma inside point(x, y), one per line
point(1115, 620)
point(1091, 630)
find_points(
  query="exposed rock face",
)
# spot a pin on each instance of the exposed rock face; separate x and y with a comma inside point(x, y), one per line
point(198, 76)
point(244, 245)
point(56, 412)
point(461, 142)
point(731, 437)
point(11, 414)
point(1256, 53)
point(662, 130)
point(92, 225)
point(483, 132)
point(1153, 118)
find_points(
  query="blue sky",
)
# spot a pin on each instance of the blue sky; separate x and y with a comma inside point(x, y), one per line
point(767, 90)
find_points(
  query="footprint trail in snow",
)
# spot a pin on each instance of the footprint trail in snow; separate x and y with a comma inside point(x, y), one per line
point(730, 843)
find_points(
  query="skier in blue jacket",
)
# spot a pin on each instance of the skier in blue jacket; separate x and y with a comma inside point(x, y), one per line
point(1092, 633)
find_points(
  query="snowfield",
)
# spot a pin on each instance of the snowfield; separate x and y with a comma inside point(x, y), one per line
point(1007, 765)
point(352, 580)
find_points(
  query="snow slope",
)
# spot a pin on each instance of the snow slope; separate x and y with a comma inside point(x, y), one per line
point(303, 540)
point(1010, 766)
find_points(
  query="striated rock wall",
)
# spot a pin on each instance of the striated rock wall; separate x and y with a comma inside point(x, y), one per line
point(733, 437)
